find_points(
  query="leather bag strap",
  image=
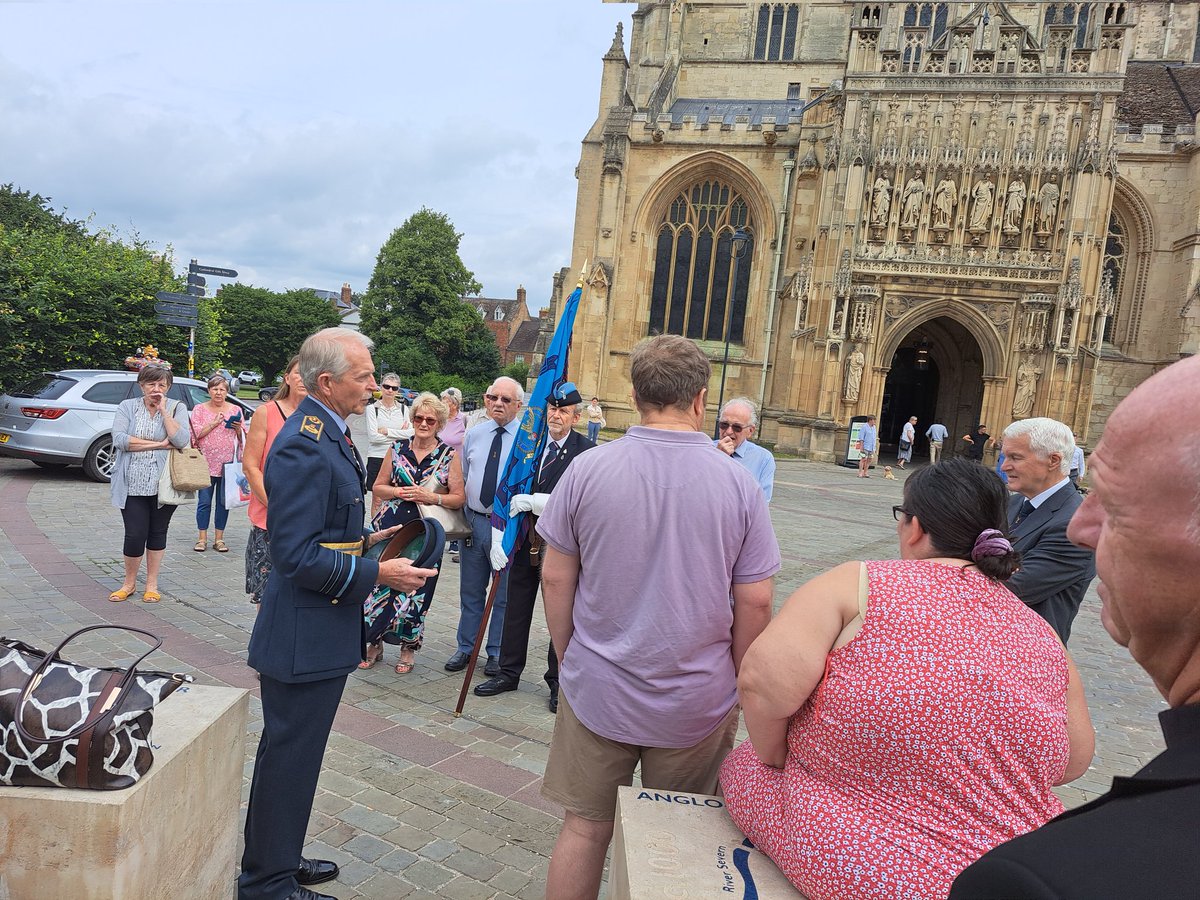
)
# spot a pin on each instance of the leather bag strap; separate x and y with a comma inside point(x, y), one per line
point(100, 716)
point(124, 677)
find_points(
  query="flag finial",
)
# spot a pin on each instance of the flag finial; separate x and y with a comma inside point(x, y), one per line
point(582, 274)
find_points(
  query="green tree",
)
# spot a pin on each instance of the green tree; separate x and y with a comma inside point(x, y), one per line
point(264, 328)
point(23, 210)
point(518, 372)
point(78, 302)
point(413, 308)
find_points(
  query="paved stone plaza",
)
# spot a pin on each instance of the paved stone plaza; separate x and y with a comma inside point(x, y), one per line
point(413, 802)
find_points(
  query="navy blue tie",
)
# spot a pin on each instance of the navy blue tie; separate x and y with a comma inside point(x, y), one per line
point(487, 493)
point(1023, 512)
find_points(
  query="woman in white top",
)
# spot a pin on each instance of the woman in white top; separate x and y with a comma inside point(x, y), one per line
point(387, 422)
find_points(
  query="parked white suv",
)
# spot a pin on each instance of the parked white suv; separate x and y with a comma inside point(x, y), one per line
point(248, 377)
point(65, 418)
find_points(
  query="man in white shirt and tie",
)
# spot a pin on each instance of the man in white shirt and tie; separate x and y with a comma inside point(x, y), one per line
point(562, 446)
point(485, 453)
point(1054, 573)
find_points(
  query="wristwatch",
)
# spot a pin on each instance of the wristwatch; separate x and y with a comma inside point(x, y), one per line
point(439, 499)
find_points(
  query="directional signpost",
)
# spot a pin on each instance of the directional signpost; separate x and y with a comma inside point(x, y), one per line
point(183, 310)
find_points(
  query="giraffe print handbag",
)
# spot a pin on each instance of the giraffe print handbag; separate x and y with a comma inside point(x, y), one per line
point(67, 725)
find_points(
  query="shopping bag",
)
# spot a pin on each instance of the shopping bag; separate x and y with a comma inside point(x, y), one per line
point(237, 488)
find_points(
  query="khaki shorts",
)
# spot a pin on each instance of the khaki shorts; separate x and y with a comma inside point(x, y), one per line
point(584, 769)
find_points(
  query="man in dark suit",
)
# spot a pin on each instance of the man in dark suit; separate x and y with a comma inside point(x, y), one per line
point(1054, 573)
point(524, 575)
point(309, 632)
point(1140, 840)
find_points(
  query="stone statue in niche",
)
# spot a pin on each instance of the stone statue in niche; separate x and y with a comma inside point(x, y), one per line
point(944, 200)
point(981, 212)
point(1047, 207)
point(1027, 380)
point(855, 363)
point(1014, 206)
point(881, 201)
point(914, 197)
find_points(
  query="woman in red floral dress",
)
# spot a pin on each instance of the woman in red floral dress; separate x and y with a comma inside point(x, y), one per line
point(907, 716)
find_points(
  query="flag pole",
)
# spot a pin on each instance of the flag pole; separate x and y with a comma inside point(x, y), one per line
point(483, 624)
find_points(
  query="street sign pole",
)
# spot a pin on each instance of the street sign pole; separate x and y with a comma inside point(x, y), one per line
point(191, 353)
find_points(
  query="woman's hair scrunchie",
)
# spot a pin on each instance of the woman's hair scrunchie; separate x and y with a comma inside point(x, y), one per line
point(991, 542)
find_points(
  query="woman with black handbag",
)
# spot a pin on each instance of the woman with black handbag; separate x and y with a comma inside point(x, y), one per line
point(420, 470)
point(144, 430)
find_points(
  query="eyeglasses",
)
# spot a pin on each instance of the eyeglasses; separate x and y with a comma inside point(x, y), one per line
point(496, 398)
point(424, 420)
point(732, 426)
point(897, 510)
point(390, 387)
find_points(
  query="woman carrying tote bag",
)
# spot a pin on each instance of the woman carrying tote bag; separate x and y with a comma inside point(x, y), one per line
point(144, 430)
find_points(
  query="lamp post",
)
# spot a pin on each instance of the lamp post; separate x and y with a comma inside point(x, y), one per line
point(741, 240)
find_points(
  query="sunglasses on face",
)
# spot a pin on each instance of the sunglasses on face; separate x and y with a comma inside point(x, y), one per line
point(496, 398)
point(424, 420)
point(391, 387)
point(732, 426)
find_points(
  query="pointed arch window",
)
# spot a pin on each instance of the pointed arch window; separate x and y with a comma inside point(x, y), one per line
point(693, 265)
point(1116, 257)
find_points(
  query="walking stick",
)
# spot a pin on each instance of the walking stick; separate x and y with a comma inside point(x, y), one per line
point(479, 641)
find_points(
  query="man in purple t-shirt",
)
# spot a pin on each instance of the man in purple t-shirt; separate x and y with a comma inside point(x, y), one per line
point(647, 539)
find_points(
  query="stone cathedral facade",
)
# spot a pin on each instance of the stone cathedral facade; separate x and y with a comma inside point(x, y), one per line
point(968, 212)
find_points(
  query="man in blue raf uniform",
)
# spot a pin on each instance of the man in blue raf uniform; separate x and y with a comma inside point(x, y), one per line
point(524, 576)
point(309, 633)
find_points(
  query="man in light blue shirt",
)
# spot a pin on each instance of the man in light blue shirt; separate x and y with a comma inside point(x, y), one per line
point(937, 434)
point(868, 437)
point(485, 453)
point(736, 424)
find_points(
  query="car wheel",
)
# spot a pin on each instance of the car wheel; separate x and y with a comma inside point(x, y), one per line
point(100, 459)
point(264, 396)
point(50, 465)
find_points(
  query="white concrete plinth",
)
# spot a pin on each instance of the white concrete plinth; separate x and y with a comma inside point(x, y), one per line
point(174, 834)
point(673, 845)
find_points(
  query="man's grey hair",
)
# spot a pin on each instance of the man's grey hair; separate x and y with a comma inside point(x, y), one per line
point(452, 393)
point(325, 351)
point(516, 386)
point(1046, 436)
point(745, 402)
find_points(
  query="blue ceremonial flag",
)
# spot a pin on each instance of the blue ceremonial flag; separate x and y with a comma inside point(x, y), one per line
point(531, 436)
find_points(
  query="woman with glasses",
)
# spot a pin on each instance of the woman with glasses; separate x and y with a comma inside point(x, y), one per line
point(906, 716)
point(416, 470)
point(455, 429)
point(218, 430)
point(387, 422)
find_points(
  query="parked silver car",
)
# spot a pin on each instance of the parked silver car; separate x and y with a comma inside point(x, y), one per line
point(65, 418)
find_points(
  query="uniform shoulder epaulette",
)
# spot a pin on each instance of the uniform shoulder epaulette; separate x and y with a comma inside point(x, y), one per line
point(312, 426)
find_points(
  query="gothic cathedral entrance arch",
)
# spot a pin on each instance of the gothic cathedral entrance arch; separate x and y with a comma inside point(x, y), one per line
point(935, 374)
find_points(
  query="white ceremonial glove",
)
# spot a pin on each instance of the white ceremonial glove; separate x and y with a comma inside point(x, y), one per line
point(498, 557)
point(530, 503)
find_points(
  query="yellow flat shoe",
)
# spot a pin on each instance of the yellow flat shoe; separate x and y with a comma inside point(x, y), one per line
point(118, 595)
point(151, 597)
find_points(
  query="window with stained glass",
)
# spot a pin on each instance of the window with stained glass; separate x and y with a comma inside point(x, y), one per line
point(693, 265)
point(1115, 254)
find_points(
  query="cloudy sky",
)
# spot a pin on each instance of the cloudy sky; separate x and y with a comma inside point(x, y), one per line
point(288, 139)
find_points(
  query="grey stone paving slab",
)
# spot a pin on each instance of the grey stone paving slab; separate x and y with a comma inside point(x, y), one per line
point(411, 819)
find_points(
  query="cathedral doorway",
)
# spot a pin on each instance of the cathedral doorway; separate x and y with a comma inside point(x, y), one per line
point(935, 375)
